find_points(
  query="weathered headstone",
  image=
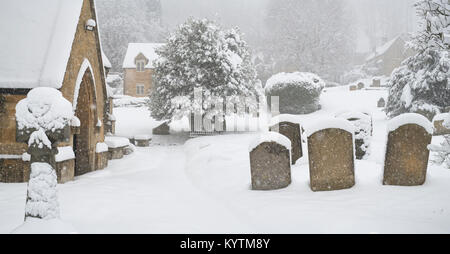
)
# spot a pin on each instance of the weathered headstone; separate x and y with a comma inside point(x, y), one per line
point(331, 159)
point(162, 129)
point(291, 130)
point(270, 162)
point(376, 82)
point(406, 157)
point(361, 85)
point(381, 103)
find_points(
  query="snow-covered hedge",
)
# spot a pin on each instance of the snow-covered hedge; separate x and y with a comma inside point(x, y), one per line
point(298, 92)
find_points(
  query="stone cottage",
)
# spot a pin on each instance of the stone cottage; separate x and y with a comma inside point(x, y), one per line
point(138, 68)
point(52, 43)
point(390, 55)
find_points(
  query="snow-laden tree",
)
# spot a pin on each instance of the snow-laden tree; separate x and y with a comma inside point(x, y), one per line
point(421, 84)
point(199, 54)
point(309, 35)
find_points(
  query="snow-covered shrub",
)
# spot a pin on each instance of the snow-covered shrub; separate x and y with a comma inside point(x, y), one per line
point(421, 85)
point(298, 92)
point(200, 55)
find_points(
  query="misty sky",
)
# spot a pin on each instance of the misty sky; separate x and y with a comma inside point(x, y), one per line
point(249, 15)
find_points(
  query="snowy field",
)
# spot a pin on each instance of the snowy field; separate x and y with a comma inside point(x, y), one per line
point(202, 185)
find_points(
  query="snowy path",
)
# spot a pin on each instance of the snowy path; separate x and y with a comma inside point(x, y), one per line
point(147, 192)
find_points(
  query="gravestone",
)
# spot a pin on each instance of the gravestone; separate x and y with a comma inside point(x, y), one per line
point(162, 129)
point(406, 157)
point(381, 103)
point(361, 85)
point(376, 82)
point(331, 160)
point(292, 132)
point(362, 123)
point(270, 163)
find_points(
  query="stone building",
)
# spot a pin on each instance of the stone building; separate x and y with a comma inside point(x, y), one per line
point(138, 68)
point(52, 43)
point(389, 56)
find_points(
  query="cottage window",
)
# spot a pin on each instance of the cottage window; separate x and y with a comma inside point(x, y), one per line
point(140, 89)
point(140, 65)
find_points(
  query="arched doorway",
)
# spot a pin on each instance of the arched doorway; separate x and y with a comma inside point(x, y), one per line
point(84, 142)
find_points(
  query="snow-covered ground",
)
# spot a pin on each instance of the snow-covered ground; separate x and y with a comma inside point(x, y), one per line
point(202, 185)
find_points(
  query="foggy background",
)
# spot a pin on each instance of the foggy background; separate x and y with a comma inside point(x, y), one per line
point(346, 29)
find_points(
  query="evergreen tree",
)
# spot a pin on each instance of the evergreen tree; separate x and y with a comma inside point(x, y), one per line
point(421, 85)
point(200, 55)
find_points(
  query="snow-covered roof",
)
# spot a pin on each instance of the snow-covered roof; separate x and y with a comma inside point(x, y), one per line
point(409, 118)
point(384, 48)
point(147, 49)
point(36, 41)
point(106, 61)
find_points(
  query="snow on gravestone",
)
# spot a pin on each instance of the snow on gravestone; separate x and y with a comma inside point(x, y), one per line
point(270, 161)
point(406, 157)
point(43, 119)
point(362, 123)
point(288, 126)
point(331, 155)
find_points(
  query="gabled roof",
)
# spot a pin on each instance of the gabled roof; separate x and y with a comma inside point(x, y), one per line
point(385, 47)
point(106, 62)
point(147, 49)
point(36, 41)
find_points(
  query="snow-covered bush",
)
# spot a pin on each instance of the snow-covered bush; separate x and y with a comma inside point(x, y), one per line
point(200, 55)
point(421, 85)
point(298, 92)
